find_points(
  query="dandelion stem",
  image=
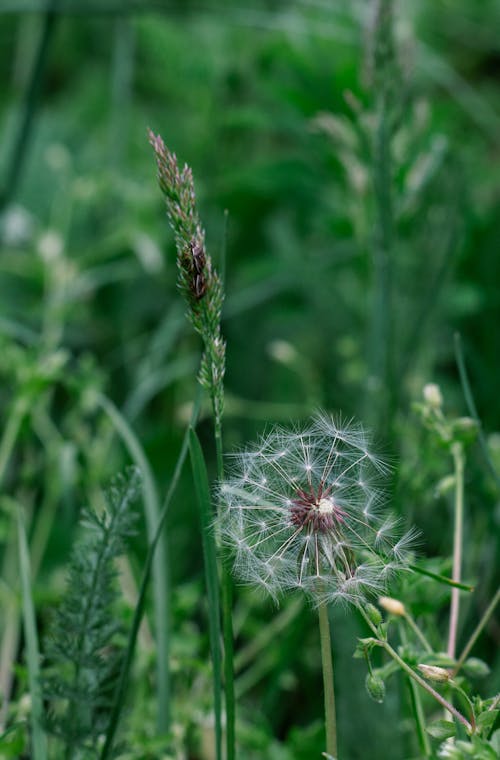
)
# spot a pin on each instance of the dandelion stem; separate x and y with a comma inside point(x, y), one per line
point(458, 460)
point(328, 684)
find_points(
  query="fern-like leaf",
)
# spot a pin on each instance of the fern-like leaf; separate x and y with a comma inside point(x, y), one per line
point(84, 648)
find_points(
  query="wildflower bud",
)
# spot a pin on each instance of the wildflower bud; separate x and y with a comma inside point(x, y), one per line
point(393, 606)
point(282, 351)
point(445, 485)
point(374, 614)
point(375, 687)
point(433, 673)
point(433, 395)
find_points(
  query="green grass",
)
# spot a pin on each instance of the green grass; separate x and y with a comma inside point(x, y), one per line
point(354, 220)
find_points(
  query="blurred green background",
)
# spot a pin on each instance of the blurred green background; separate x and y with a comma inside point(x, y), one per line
point(273, 105)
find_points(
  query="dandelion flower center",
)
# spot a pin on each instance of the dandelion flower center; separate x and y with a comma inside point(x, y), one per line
point(315, 510)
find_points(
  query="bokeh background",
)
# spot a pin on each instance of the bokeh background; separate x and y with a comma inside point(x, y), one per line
point(274, 106)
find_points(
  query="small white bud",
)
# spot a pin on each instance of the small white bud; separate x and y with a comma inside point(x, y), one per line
point(434, 673)
point(394, 606)
point(433, 395)
point(282, 351)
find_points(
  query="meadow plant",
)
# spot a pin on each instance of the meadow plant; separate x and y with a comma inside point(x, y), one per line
point(202, 289)
point(304, 510)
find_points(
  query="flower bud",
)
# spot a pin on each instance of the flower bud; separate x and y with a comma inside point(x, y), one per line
point(433, 396)
point(394, 606)
point(433, 673)
point(373, 613)
point(375, 687)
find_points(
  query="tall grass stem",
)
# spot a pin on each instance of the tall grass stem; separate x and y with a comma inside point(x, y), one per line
point(202, 490)
point(458, 462)
point(38, 737)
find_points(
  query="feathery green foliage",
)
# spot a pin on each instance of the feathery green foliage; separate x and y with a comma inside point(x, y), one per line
point(84, 650)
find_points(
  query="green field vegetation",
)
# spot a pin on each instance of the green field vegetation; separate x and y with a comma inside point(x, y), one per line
point(345, 165)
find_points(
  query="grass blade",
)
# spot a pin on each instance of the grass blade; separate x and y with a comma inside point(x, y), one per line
point(39, 740)
point(160, 563)
point(441, 578)
point(119, 696)
point(471, 406)
point(202, 491)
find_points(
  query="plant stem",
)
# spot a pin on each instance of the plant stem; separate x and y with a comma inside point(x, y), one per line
point(381, 359)
point(10, 432)
point(475, 634)
point(328, 684)
point(458, 460)
point(24, 130)
point(418, 712)
point(227, 619)
point(418, 679)
point(416, 630)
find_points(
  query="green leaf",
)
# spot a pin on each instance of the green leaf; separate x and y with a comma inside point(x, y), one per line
point(441, 578)
point(441, 729)
point(486, 720)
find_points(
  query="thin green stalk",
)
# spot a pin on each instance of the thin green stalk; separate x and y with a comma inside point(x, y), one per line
point(39, 740)
point(227, 621)
point(24, 129)
point(10, 432)
point(416, 703)
point(202, 490)
point(458, 461)
point(328, 684)
point(471, 406)
point(119, 695)
point(477, 631)
point(416, 630)
point(381, 360)
point(412, 674)
point(160, 562)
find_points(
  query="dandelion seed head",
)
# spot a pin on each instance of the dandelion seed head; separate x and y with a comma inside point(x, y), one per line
point(305, 509)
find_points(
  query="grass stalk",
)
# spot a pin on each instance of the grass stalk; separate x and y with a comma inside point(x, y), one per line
point(38, 737)
point(27, 117)
point(381, 359)
point(10, 433)
point(471, 406)
point(328, 683)
point(458, 462)
point(227, 618)
point(477, 631)
point(202, 490)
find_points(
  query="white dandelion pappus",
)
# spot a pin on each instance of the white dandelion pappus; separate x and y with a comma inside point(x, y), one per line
point(303, 510)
